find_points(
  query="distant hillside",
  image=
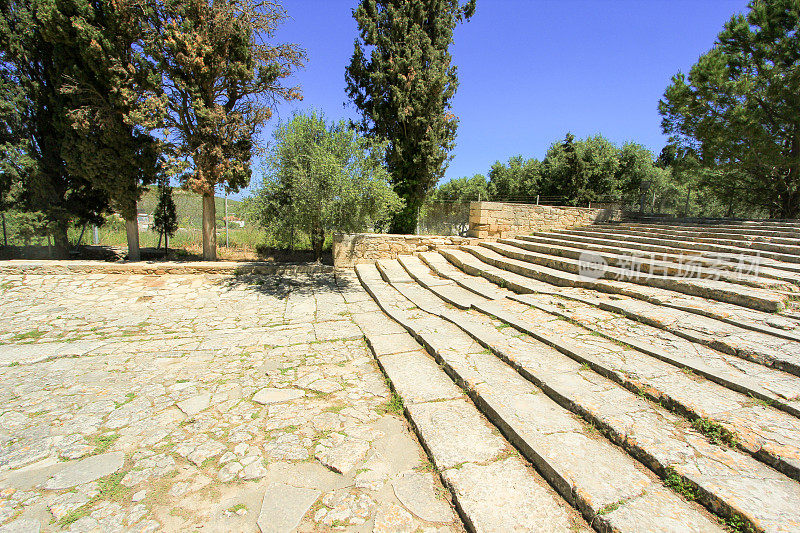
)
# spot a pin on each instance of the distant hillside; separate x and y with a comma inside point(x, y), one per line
point(189, 206)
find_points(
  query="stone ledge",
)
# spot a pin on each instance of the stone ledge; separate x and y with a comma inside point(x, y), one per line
point(54, 267)
point(498, 219)
point(352, 249)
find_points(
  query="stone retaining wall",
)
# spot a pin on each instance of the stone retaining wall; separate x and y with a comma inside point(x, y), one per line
point(349, 250)
point(159, 268)
point(499, 219)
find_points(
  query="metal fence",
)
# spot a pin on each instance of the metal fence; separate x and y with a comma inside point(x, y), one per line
point(444, 218)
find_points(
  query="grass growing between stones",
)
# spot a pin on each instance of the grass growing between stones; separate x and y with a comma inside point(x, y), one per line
point(759, 401)
point(715, 432)
point(32, 335)
point(74, 515)
point(737, 524)
point(110, 488)
point(128, 399)
point(103, 442)
point(393, 405)
point(675, 482)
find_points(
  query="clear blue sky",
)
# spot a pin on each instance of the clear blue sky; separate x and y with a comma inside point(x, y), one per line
point(530, 70)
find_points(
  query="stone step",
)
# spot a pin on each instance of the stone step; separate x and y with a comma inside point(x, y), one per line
point(564, 272)
point(660, 265)
point(769, 434)
point(750, 345)
point(648, 430)
point(622, 267)
point(475, 283)
point(783, 326)
point(613, 491)
point(668, 246)
point(492, 488)
point(777, 252)
point(606, 231)
point(726, 336)
point(779, 389)
point(677, 260)
point(790, 236)
point(788, 225)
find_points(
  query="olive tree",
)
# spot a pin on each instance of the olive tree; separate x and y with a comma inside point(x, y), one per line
point(324, 177)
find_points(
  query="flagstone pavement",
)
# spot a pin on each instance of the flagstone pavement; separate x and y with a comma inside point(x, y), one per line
point(201, 402)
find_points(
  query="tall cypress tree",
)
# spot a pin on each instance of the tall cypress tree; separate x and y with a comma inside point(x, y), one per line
point(401, 79)
point(111, 96)
point(37, 68)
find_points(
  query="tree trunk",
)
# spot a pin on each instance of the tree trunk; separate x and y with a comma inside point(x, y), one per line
point(60, 249)
point(405, 222)
point(209, 228)
point(80, 237)
point(166, 246)
point(132, 233)
point(790, 203)
point(317, 242)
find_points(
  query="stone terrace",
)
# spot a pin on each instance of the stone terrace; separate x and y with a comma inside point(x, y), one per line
point(132, 402)
point(614, 377)
point(641, 377)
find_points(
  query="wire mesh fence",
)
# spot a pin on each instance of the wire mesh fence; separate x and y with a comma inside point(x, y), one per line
point(444, 218)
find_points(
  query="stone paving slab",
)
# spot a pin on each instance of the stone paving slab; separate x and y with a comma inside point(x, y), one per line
point(161, 376)
point(555, 442)
point(65, 267)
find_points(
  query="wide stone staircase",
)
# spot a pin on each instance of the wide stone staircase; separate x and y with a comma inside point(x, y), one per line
point(621, 377)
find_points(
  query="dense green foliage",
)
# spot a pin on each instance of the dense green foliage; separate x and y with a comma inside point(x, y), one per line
point(110, 90)
point(516, 180)
point(222, 80)
point(461, 190)
point(35, 178)
point(401, 79)
point(324, 177)
point(572, 173)
point(735, 119)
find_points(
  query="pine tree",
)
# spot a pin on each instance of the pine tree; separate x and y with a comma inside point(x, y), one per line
point(736, 112)
point(401, 79)
point(165, 218)
point(221, 79)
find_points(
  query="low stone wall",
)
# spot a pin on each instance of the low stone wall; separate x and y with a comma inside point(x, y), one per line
point(499, 219)
point(349, 250)
point(159, 268)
